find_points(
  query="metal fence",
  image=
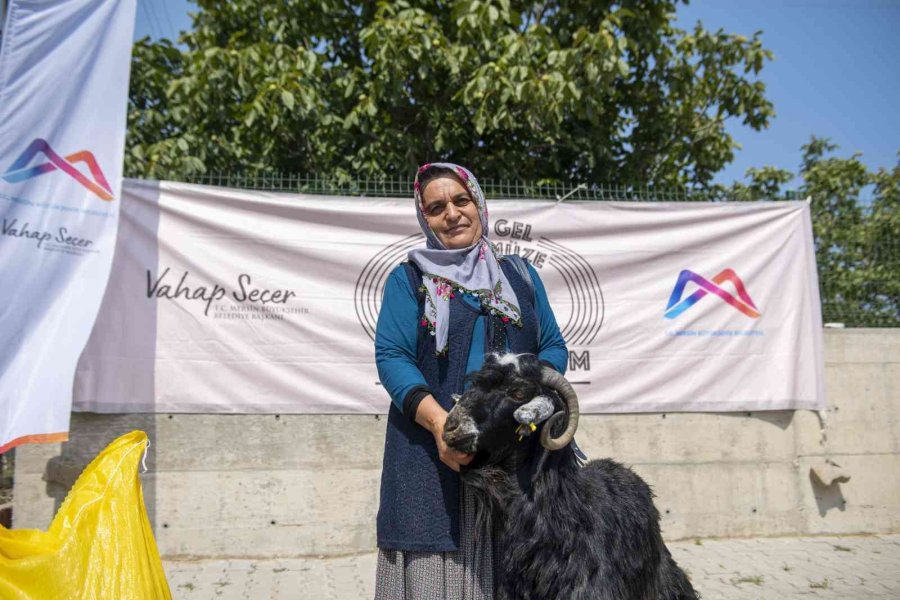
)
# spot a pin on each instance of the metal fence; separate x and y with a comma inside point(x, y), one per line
point(493, 188)
point(859, 293)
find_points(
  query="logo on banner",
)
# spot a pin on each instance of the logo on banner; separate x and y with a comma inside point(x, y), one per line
point(742, 303)
point(579, 328)
point(244, 300)
point(19, 171)
point(58, 240)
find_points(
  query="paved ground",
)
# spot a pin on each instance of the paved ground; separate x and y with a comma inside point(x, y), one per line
point(849, 568)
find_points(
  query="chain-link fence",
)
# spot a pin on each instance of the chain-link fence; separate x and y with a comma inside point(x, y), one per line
point(493, 188)
point(859, 281)
point(859, 278)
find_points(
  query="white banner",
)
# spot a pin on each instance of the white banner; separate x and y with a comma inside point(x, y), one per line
point(246, 302)
point(63, 92)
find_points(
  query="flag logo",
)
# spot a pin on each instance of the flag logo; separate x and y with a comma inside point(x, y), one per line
point(743, 302)
point(19, 171)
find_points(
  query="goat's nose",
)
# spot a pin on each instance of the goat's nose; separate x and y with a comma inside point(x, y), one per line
point(451, 424)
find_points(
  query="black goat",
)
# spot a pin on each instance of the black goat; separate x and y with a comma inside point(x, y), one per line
point(564, 531)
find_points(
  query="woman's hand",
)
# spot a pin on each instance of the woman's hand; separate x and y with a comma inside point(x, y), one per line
point(432, 417)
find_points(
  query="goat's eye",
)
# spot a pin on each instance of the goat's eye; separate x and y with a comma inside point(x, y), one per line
point(518, 395)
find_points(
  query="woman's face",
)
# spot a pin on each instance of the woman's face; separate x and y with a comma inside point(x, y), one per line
point(451, 213)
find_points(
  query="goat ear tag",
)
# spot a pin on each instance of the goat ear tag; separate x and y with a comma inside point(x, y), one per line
point(536, 410)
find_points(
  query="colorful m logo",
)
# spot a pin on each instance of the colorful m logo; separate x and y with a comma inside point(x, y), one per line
point(743, 302)
point(20, 172)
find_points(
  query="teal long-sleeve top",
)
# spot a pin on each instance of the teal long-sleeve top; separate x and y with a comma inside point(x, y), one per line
point(397, 330)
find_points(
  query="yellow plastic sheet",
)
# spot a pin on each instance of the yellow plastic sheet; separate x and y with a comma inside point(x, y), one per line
point(99, 545)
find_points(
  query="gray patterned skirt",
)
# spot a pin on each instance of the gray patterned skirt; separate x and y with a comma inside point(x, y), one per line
point(467, 574)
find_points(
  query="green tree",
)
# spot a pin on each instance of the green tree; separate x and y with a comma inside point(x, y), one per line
point(582, 91)
point(856, 224)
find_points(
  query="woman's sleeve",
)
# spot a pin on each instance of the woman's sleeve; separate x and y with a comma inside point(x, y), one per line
point(396, 337)
point(551, 347)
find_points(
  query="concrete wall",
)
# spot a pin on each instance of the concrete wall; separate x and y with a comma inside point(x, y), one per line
point(242, 485)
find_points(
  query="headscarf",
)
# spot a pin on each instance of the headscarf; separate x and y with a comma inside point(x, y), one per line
point(473, 270)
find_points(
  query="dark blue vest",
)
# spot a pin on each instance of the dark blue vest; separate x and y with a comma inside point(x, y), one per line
point(419, 507)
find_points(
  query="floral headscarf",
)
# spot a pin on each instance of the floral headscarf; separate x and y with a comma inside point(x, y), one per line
point(474, 270)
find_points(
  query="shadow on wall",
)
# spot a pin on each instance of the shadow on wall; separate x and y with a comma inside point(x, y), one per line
point(780, 418)
point(826, 478)
point(826, 481)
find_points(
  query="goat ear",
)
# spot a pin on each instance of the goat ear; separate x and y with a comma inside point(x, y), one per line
point(487, 378)
point(536, 410)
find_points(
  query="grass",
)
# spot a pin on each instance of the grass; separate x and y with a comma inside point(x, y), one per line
point(819, 585)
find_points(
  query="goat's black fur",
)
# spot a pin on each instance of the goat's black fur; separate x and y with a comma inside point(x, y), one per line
point(563, 531)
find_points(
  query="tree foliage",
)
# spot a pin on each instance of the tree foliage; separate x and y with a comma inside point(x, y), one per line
point(585, 91)
point(564, 91)
point(856, 224)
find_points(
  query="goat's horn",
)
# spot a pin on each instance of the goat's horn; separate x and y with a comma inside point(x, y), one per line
point(554, 380)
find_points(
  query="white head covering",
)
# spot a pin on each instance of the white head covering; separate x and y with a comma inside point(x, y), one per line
point(474, 269)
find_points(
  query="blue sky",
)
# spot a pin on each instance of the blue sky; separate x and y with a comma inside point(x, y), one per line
point(834, 74)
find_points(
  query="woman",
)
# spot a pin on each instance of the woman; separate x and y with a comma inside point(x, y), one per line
point(442, 311)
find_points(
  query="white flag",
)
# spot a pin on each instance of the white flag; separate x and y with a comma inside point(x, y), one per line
point(63, 90)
